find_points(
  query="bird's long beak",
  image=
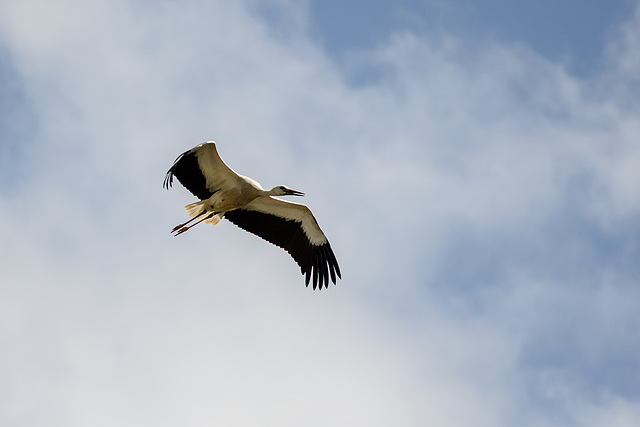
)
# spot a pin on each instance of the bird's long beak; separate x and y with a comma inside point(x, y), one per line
point(294, 193)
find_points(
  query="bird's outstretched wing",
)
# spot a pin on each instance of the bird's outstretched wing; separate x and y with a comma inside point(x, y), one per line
point(292, 227)
point(200, 170)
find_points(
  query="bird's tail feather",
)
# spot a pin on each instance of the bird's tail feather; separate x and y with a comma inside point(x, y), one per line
point(195, 209)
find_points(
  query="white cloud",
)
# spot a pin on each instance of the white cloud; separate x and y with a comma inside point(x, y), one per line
point(472, 195)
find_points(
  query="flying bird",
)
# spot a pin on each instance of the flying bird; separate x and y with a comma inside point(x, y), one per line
point(225, 194)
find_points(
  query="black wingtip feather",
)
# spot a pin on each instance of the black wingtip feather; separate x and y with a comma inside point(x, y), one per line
point(307, 278)
point(331, 267)
point(315, 276)
point(325, 271)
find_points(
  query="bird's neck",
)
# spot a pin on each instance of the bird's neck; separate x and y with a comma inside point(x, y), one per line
point(262, 192)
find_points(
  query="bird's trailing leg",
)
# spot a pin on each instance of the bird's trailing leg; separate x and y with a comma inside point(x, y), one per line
point(181, 228)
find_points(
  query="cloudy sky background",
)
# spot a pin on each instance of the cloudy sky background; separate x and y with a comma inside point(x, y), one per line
point(476, 169)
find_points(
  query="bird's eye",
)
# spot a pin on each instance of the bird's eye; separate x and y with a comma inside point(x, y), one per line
point(282, 187)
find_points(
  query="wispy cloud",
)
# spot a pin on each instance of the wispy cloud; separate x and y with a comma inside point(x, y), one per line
point(482, 201)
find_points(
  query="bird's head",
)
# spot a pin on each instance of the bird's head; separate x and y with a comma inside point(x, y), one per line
point(282, 190)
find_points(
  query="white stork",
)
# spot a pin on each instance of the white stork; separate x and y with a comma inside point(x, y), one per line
point(243, 201)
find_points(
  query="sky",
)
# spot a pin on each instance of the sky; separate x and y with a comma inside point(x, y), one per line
point(571, 32)
point(476, 170)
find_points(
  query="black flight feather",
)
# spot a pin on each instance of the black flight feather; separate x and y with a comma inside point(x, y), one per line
point(314, 260)
point(187, 170)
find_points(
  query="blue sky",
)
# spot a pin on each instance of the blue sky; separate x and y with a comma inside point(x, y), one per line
point(477, 172)
point(572, 32)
